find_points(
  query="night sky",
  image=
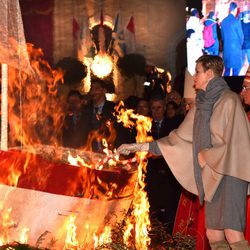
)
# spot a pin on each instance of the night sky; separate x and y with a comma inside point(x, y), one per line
point(194, 4)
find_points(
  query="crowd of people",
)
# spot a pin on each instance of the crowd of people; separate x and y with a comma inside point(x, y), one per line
point(91, 117)
point(91, 112)
point(229, 38)
point(209, 153)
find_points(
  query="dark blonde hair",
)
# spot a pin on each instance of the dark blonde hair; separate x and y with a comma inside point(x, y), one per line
point(215, 63)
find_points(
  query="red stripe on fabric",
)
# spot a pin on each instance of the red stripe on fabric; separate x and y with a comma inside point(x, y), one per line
point(190, 220)
point(131, 25)
point(39, 174)
point(75, 28)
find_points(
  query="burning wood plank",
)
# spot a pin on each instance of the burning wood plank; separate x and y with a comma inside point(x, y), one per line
point(49, 194)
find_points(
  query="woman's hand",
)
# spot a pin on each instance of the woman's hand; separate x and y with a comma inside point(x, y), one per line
point(126, 149)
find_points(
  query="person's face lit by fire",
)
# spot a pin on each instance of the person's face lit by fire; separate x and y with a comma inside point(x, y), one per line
point(97, 93)
point(74, 104)
point(170, 110)
point(143, 108)
point(157, 109)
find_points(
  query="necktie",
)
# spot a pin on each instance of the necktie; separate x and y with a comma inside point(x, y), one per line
point(96, 109)
point(158, 127)
point(95, 118)
point(157, 124)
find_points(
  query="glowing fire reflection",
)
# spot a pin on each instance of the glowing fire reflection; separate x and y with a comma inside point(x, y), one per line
point(102, 65)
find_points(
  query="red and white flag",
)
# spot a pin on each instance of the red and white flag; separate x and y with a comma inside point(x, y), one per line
point(75, 28)
point(48, 195)
point(130, 37)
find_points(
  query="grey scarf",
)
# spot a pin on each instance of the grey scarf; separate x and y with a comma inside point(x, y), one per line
point(205, 101)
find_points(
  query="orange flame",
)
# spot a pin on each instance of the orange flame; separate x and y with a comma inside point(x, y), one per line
point(36, 115)
point(106, 140)
point(35, 111)
point(35, 108)
point(71, 241)
point(168, 83)
point(14, 175)
point(36, 118)
point(24, 235)
point(78, 161)
point(103, 238)
point(139, 220)
point(6, 223)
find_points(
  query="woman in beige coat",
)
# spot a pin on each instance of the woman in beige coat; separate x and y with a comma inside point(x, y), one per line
point(209, 154)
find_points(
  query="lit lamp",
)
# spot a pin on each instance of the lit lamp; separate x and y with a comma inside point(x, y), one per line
point(102, 65)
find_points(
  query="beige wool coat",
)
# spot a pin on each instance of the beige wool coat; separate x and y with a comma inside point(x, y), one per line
point(230, 154)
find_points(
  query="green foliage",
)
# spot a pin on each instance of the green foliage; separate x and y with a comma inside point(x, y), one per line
point(160, 239)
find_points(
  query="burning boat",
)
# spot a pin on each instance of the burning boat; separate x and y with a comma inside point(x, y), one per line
point(55, 197)
point(49, 195)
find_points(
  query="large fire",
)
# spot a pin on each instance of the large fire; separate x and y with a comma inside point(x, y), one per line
point(139, 221)
point(36, 117)
point(36, 107)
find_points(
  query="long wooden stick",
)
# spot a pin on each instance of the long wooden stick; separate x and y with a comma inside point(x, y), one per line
point(4, 108)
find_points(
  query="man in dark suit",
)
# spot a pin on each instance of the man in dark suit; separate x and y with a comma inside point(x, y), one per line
point(232, 36)
point(97, 113)
point(73, 135)
point(100, 119)
point(163, 205)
